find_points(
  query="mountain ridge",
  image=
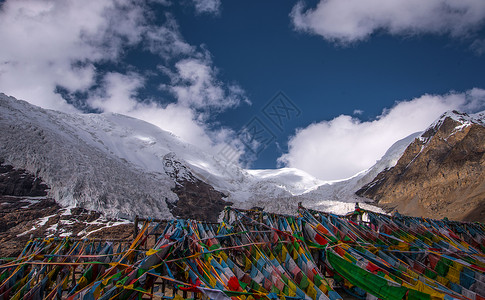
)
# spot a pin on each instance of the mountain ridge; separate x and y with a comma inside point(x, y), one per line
point(440, 174)
point(117, 165)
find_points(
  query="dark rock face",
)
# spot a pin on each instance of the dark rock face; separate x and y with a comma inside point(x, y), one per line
point(441, 174)
point(17, 182)
point(197, 199)
point(26, 212)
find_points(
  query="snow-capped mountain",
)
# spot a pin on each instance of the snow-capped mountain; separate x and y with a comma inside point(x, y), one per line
point(123, 166)
point(440, 174)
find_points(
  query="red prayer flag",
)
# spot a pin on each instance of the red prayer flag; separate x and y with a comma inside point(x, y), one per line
point(233, 284)
point(321, 240)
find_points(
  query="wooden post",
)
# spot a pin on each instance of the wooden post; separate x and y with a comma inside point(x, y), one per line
point(73, 276)
point(152, 288)
point(135, 233)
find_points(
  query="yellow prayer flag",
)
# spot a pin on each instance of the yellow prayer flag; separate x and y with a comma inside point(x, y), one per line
point(82, 282)
point(284, 251)
point(223, 255)
point(16, 296)
point(442, 280)
point(458, 266)
point(421, 287)
point(291, 288)
point(412, 273)
point(312, 292)
point(247, 265)
point(453, 275)
point(151, 252)
point(271, 256)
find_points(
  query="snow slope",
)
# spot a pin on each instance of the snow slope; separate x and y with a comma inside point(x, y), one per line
point(114, 164)
point(73, 163)
point(333, 196)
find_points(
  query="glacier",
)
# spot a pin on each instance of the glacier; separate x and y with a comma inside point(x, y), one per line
point(113, 164)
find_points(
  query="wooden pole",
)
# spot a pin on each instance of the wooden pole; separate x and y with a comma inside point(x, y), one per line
point(135, 233)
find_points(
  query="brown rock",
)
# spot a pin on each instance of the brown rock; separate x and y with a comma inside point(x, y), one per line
point(442, 174)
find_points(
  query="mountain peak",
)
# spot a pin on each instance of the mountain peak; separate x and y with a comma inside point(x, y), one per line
point(440, 174)
point(451, 122)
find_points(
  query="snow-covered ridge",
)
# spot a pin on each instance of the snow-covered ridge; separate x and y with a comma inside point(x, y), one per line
point(293, 180)
point(463, 119)
point(118, 165)
point(344, 190)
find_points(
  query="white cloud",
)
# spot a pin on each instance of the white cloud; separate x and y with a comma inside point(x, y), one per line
point(118, 94)
point(166, 41)
point(207, 6)
point(346, 21)
point(474, 100)
point(39, 49)
point(478, 46)
point(358, 112)
point(46, 44)
point(195, 84)
point(59, 43)
point(342, 147)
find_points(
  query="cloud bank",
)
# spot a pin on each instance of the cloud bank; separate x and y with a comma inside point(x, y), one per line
point(48, 45)
point(347, 21)
point(207, 6)
point(344, 146)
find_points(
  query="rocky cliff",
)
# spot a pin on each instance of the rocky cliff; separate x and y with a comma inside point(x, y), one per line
point(441, 174)
point(196, 199)
point(18, 182)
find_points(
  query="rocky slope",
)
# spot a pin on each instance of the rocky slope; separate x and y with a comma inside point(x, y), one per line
point(25, 213)
point(440, 174)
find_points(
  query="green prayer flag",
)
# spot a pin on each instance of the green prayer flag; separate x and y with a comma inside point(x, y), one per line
point(365, 280)
point(416, 295)
point(430, 274)
point(442, 267)
point(304, 282)
point(317, 280)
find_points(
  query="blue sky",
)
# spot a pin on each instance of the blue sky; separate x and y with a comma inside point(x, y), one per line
point(363, 75)
point(261, 50)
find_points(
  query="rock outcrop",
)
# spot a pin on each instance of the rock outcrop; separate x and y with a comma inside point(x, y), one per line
point(26, 212)
point(441, 174)
point(196, 199)
point(18, 182)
